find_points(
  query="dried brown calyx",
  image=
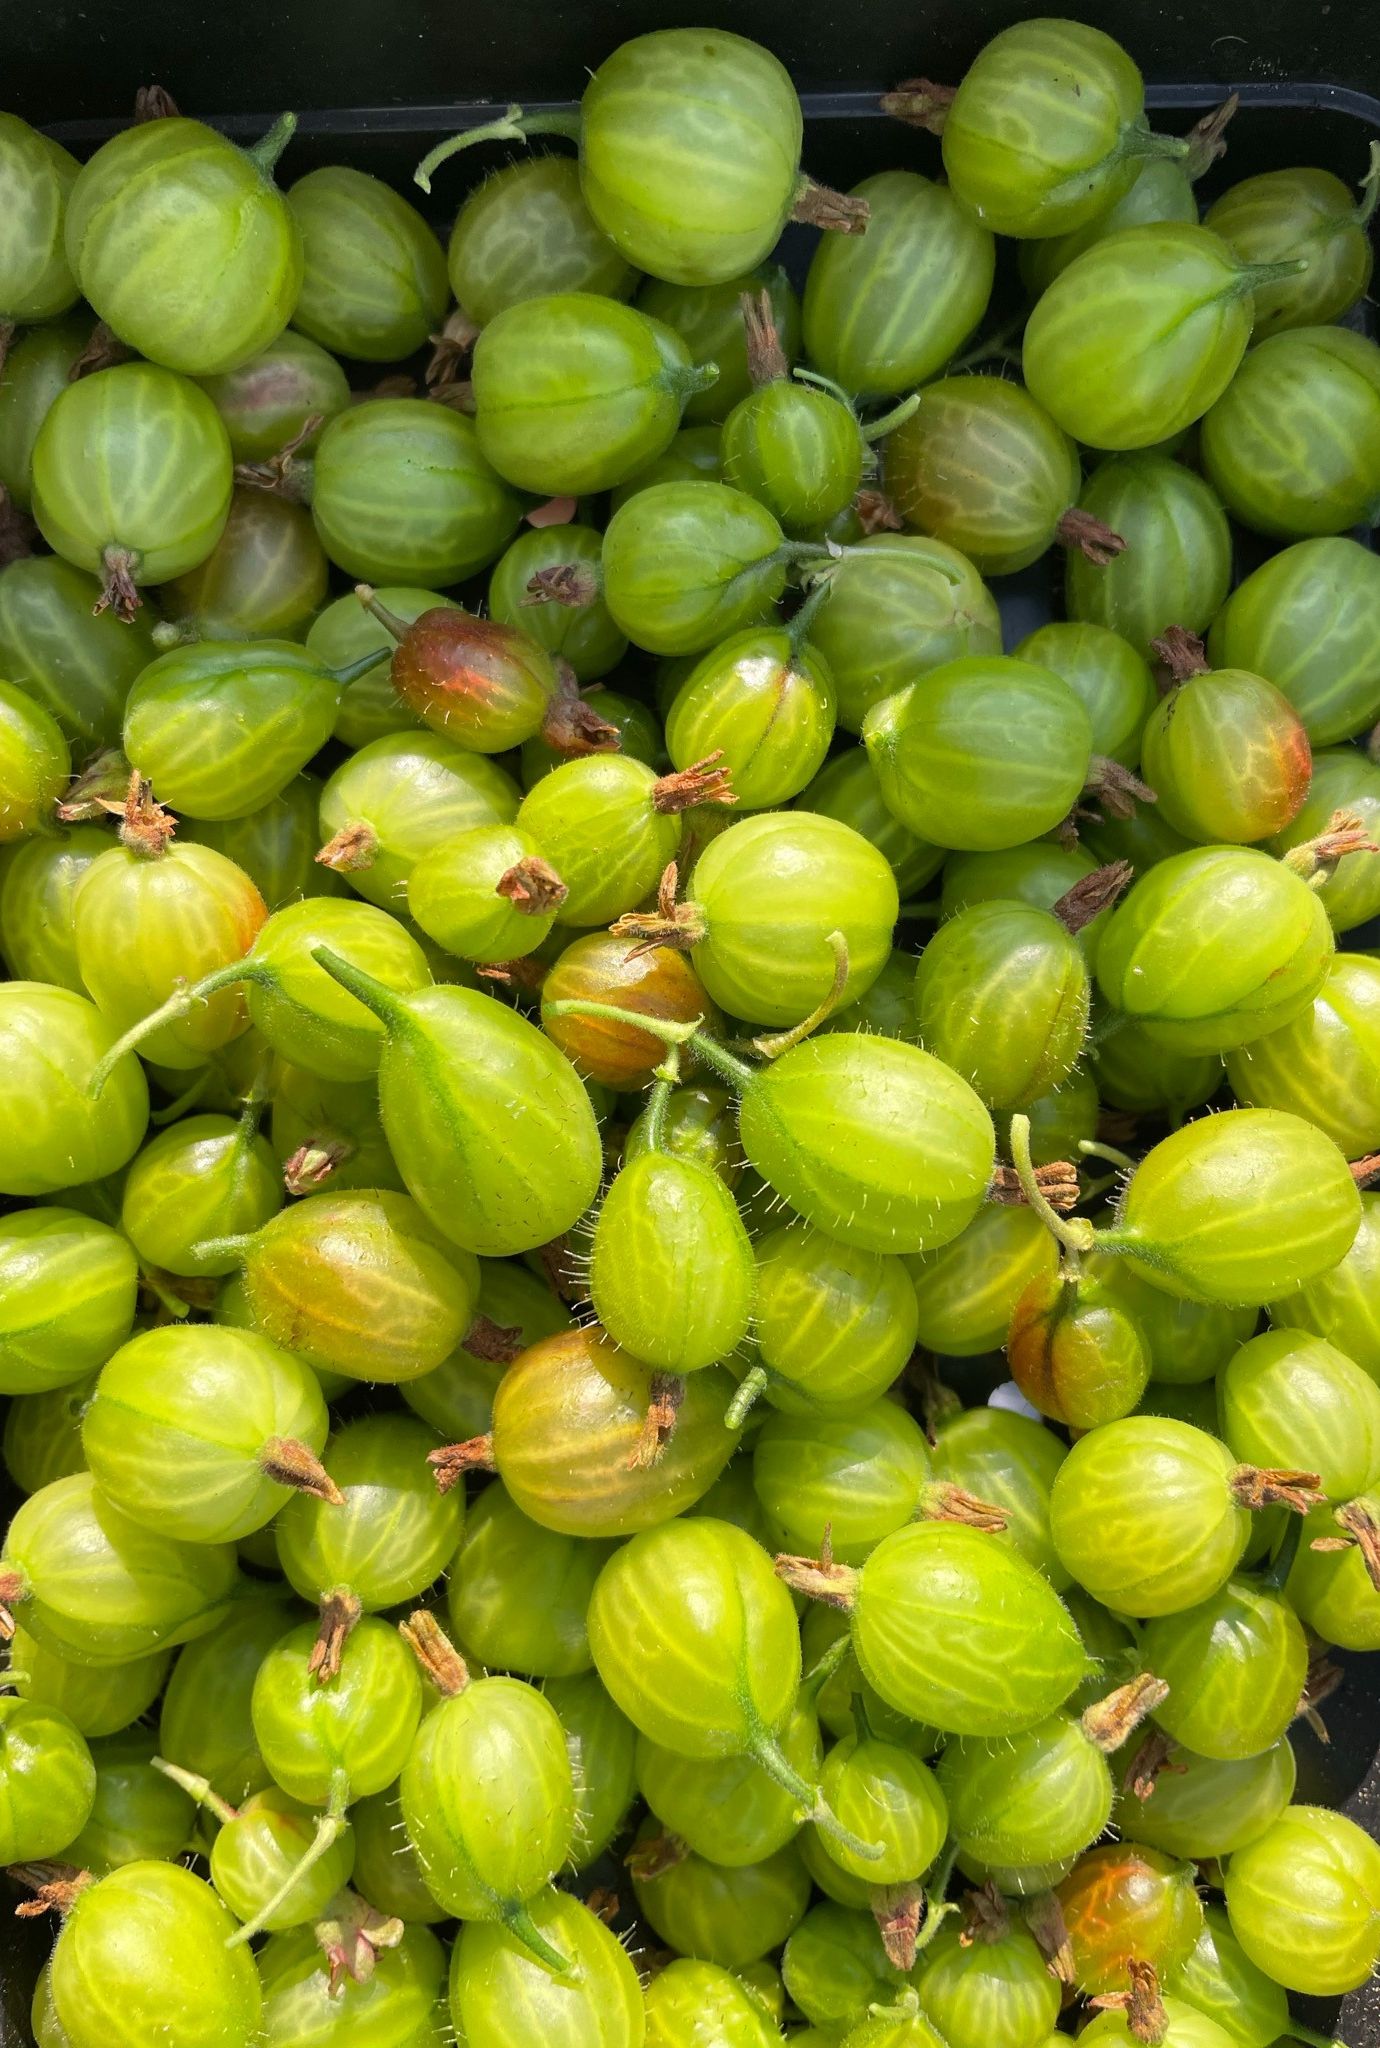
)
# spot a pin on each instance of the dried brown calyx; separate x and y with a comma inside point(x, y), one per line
point(1092, 894)
point(451, 1462)
point(99, 788)
point(450, 348)
point(314, 1164)
point(355, 846)
point(899, 1911)
point(289, 1462)
point(604, 1904)
point(1114, 789)
point(154, 103)
point(653, 1857)
point(819, 1578)
point(839, 213)
point(1316, 860)
point(1110, 1722)
point(1092, 537)
point(351, 1936)
point(876, 513)
point(671, 924)
point(55, 1886)
point(1207, 138)
point(145, 827)
point(704, 782)
point(102, 351)
point(1364, 1171)
point(1152, 1761)
point(942, 1501)
point(1268, 1486)
point(1146, 2017)
point(440, 1661)
point(1181, 653)
point(667, 1392)
point(1358, 1519)
point(1057, 1182)
point(573, 584)
point(986, 1916)
point(119, 591)
point(1324, 1678)
point(532, 886)
point(499, 1343)
point(920, 103)
point(17, 530)
point(526, 975)
point(14, 1589)
point(767, 360)
point(572, 725)
point(286, 474)
point(1044, 1916)
point(340, 1613)
point(558, 1262)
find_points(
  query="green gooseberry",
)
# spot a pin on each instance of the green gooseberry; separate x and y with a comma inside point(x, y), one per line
point(1074, 1353)
point(269, 402)
point(1063, 1120)
point(526, 231)
point(608, 825)
point(1123, 1903)
point(79, 663)
point(709, 320)
point(271, 1861)
point(1111, 680)
point(731, 1916)
point(501, 1995)
point(401, 796)
point(1037, 1796)
point(1304, 1901)
point(1047, 129)
point(99, 1699)
point(689, 1998)
point(1200, 1807)
point(1161, 189)
point(567, 615)
point(727, 1810)
point(51, 1041)
point(205, 1724)
point(1292, 447)
point(1161, 959)
point(1220, 1981)
point(401, 493)
point(899, 607)
point(573, 392)
point(763, 702)
point(353, 1732)
point(370, 707)
point(953, 1629)
point(393, 2000)
point(540, 1632)
point(34, 370)
point(833, 1324)
point(1235, 1666)
point(1305, 618)
point(885, 311)
point(992, 1990)
point(101, 1589)
point(1290, 1398)
point(101, 501)
point(276, 845)
point(486, 894)
point(1038, 873)
point(1176, 570)
point(887, 1007)
point(1185, 2027)
point(1333, 1043)
point(184, 245)
point(203, 1177)
point(1141, 334)
point(902, 2025)
point(1011, 1462)
point(456, 1397)
point(966, 1291)
point(374, 281)
point(1227, 755)
point(835, 1968)
point(1187, 1342)
point(1332, 1589)
point(686, 564)
point(1010, 1054)
point(386, 1870)
point(36, 178)
point(1300, 213)
point(146, 1944)
point(882, 1792)
point(34, 764)
point(138, 1814)
point(265, 577)
point(982, 753)
point(201, 1433)
point(1137, 1072)
point(68, 1287)
point(602, 1746)
point(636, 724)
point(47, 1780)
point(794, 446)
point(1341, 1303)
point(848, 1480)
point(846, 788)
point(692, 455)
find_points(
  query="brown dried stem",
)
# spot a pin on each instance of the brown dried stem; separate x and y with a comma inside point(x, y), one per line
point(1358, 1518)
point(653, 1857)
point(355, 846)
point(1092, 894)
point(767, 360)
point(572, 725)
point(659, 1424)
point(282, 473)
point(573, 584)
point(1182, 653)
point(942, 1501)
point(1109, 1722)
point(819, 1579)
point(898, 1910)
point(1092, 537)
point(1269, 1486)
point(1146, 2017)
point(340, 1613)
point(313, 1164)
point(17, 530)
point(55, 1887)
point(876, 513)
point(1150, 1763)
point(1057, 1182)
point(818, 206)
point(453, 1461)
point(499, 1343)
point(145, 826)
point(103, 351)
point(289, 1462)
point(351, 1936)
point(119, 592)
point(450, 347)
point(441, 1662)
point(532, 886)
point(920, 103)
point(154, 103)
point(703, 782)
point(14, 1588)
point(1315, 860)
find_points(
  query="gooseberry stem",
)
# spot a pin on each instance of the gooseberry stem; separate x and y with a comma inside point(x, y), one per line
point(523, 1928)
point(767, 1753)
point(820, 1672)
point(752, 1385)
point(1276, 1572)
point(361, 666)
point(329, 1829)
point(180, 1104)
point(1092, 1148)
point(386, 1005)
point(514, 126)
point(267, 150)
point(1145, 142)
point(877, 430)
point(800, 622)
point(772, 1044)
point(198, 1788)
point(179, 1004)
point(1074, 1233)
point(1370, 188)
point(666, 1078)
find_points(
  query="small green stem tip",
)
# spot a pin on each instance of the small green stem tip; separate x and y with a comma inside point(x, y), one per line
point(197, 1788)
point(523, 1928)
point(329, 1829)
point(385, 1003)
point(267, 150)
point(179, 1004)
point(1074, 1233)
point(767, 1753)
point(514, 126)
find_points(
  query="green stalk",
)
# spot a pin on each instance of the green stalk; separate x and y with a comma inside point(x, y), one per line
point(329, 1829)
point(1074, 1233)
point(180, 1104)
point(936, 1907)
point(197, 1788)
point(359, 667)
point(514, 126)
point(1091, 1148)
point(523, 1928)
point(385, 1003)
point(179, 1004)
point(1276, 1573)
point(1143, 142)
point(267, 150)
point(766, 1752)
point(798, 626)
point(667, 1077)
point(877, 430)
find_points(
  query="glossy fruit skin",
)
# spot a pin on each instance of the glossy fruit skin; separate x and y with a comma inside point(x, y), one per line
point(36, 177)
point(983, 753)
point(835, 1967)
point(253, 1855)
point(487, 1798)
point(47, 1781)
point(686, 564)
point(370, 708)
point(860, 1475)
point(569, 1415)
point(500, 1995)
point(1188, 2028)
point(396, 2006)
point(1106, 674)
point(1039, 1795)
point(374, 277)
point(267, 401)
point(923, 1630)
point(1176, 570)
point(538, 1631)
point(456, 1398)
point(35, 370)
point(1302, 1900)
point(394, 1534)
point(1340, 1303)
point(78, 665)
point(689, 2002)
point(994, 1992)
point(50, 1041)
point(883, 1793)
point(964, 1006)
point(184, 246)
point(602, 1745)
point(525, 231)
point(727, 1809)
point(94, 487)
point(1125, 1902)
point(1074, 1352)
point(415, 791)
point(671, 1276)
point(386, 1869)
point(402, 494)
point(1332, 1591)
point(306, 1016)
point(362, 1722)
point(982, 466)
point(1334, 1040)
point(221, 1667)
point(1139, 336)
point(1289, 1397)
point(1287, 214)
point(1235, 1667)
point(1201, 1807)
point(265, 577)
point(767, 706)
point(453, 895)
point(885, 311)
point(1187, 1342)
point(737, 153)
point(1162, 962)
point(731, 1917)
point(965, 1293)
point(1293, 446)
point(276, 845)
point(1228, 757)
point(67, 1295)
point(34, 764)
point(659, 983)
point(797, 450)
point(137, 1814)
point(1305, 619)
point(846, 788)
point(914, 1110)
point(1037, 873)
point(691, 456)
point(583, 635)
point(1136, 1072)
point(709, 320)
point(1220, 1981)
point(42, 1436)
point(833, 1323)
point(1161, 189)
point(98, 1699)
point(597, 824)
point(147, 1945)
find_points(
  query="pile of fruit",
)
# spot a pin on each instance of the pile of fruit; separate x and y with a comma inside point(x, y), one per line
point(506, 1255)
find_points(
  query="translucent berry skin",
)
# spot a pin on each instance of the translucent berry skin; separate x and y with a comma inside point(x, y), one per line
point(1037, 873)
point(1283, 215)
point(264, 578)
point(50, 1042)
point(500, 1995)
point(1162, 189)
point(78, 665)
point(393, 1534)
point(1286, 1398)
point(1188, 2028)
point(362, 1723)
point(671, 1274)
point(846, 788)
point(835, 1967)
point(1342, 1304)
point(518, 1593)
point(68, 1286)
point(34, 764)
point(1176, 570)
point(1126, 1903)
point(660, 983)
point(256, 1853)
point(833, 1324)
point(1104, 671)
point(597, 824)
point(996, 1991)
point(966, 1292)
point(1235, 1668)
point(396, 2006)
point(797, 450)
point(374, 277)
point(1304, 1901)
point(1075, 1353)
point(582, 634)
point(267, 401)
point(1292, 447)
point(413, 791)
point(1037, 1796)
point(47, 1781)
point(1011, 1051)
point(885, 1794)
point(1220, 1982)
point(860, 1475)
point(1306, 619)
point(688, 1995)
point(1332, 1591)
point(602, 1743)
point(38, 175)
point(1322, 1065)
point(768, 707)
point(728, 1805)
point(221, 1745)
point(1201, 1807)
point(1228, 757)
point(686, 564)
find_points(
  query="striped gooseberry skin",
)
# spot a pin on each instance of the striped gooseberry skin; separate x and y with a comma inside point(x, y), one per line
point(374, 276)
point(205, 1722)
point(581, 634)
point(726, 1808)
point(1038, 1796)
point(885, 311)
point(1137, 1072)
point(884, 1793)
point(1187, 2027)
point(659, 983)
point(960, 1632)
point(361, 1283)
point(851, 1479)
point(996, 1991)
point(982, 466)
point(1289, 1398)
point(1304, 1901)
point(485, 685)
point(265, 578)
point(1162, 960)
point(870, 1140)
point(502, 1997)
point(47, 1781)
point(1238, 1208)
point(395, 1531)
point(1292, 447)
point(1176, 570)
point(1235, 1666)
point(35, 763)
point(895, 2026)
point(98, 1699)
point(671, 1275)
point(1204, 1808)
point(1342, 1304)
point(142, 1956)
point(143, 927)
point(1324, 1064)
point(370, 708)
point(414, 791)
point(709, 320)
point(966, 1291)
point(184, 246)
point(307, 1017)
point(104, 1588)
point(386, 1870)
point(598, 826)
point(487, 1798)
point(402, 494)
point(275, 845)
point(77, 663)
point(1287, 214)
point(180, 1419)
point(1187, 1342)
point(257, 1851)
point(1307, 619)
point(688, 1995)
point(1124, 1903)
point(730, 1916)
point(983, 753)
point(603, 1744)
point(797, 450)
point(457, 1397)
point(569, 1415)
point(834, 1968)
point(68, 1286)
point(518, 1593)
point(453, 894)
point(1143, 1515)
point(1111, 680)
point(42, 1436)
point(525, 231)
point(1012, 1462)
point(361, 1723)
point(1332, 1591)
point(137, 1812)
point(268, 401)
point(396, 2006)
point(36, 177)
point(134, 458)
point(686, 564)
point(1075, 1353)
point(1002, 996)
point(1228, 758)
point(767, 707)
point(50, 1042)
point(1222, 1981)
point(1037, 873)
point(846, 788)
point(833, 1323)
